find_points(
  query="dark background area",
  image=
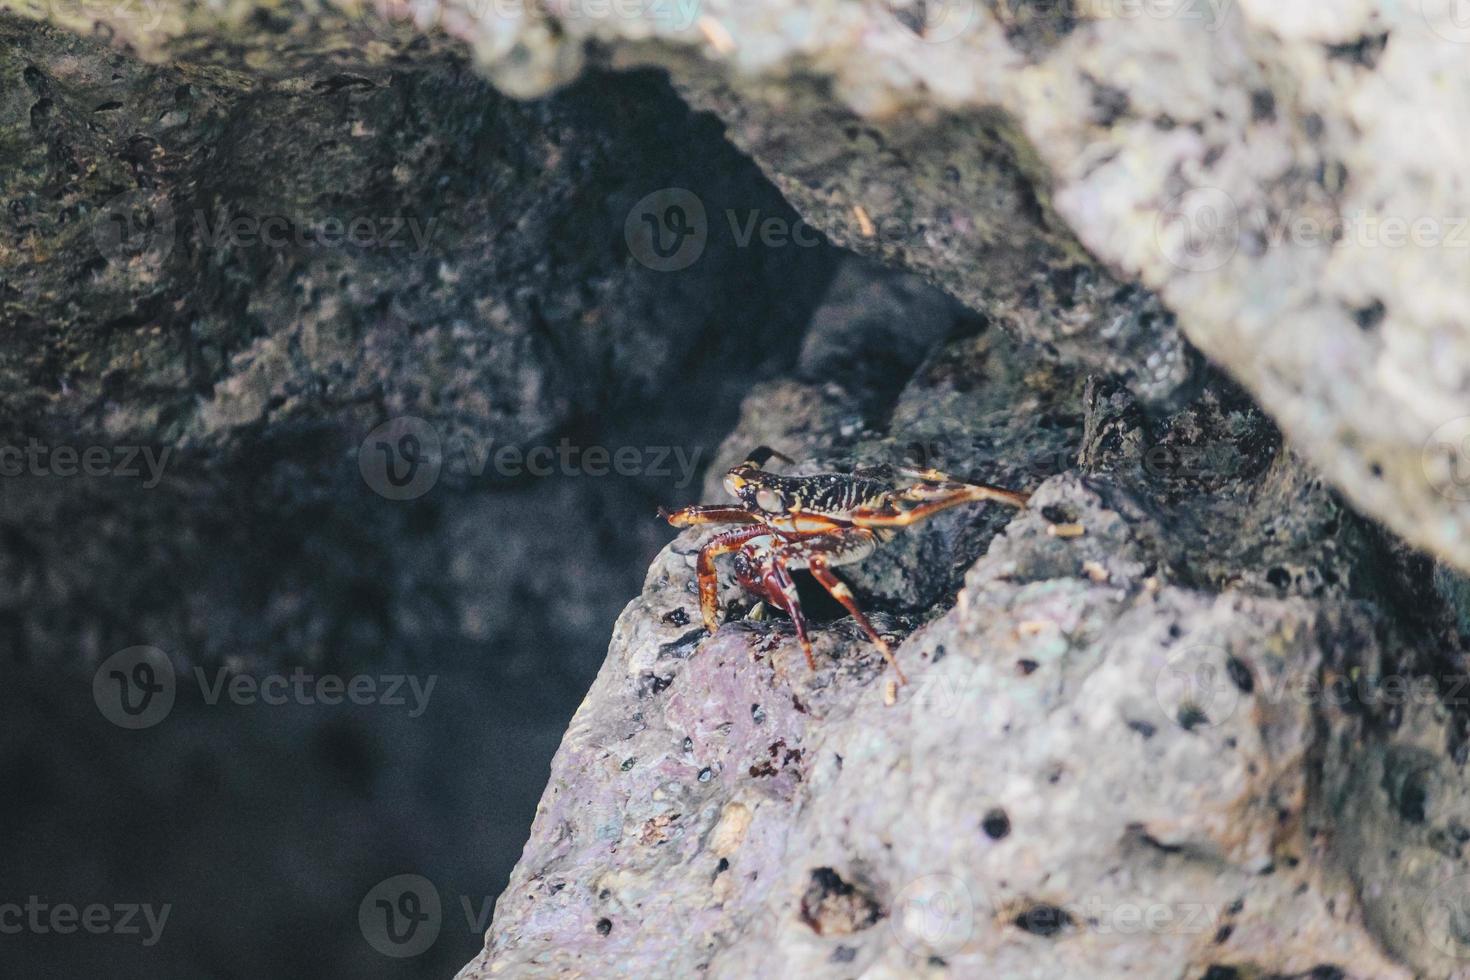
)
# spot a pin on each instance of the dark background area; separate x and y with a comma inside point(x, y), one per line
point(264, 550)
point(255, 820)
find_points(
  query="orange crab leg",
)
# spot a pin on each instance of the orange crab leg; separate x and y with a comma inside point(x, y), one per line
point(818, 554)
point(779, 583)
point(709, 585)
point(708, 514)
point(843, 594)
point(926, 499)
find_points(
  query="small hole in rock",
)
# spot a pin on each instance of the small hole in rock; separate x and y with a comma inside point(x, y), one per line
point(1043, 920)
point(1240, 674)
point(1191, 716)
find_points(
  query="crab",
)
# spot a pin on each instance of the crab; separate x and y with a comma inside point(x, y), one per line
point(816, 523)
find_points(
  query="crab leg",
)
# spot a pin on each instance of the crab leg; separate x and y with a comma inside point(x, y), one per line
point(761, 455)
point(843, 594)
point(928, 498)
point(779, 584)
point(709, 586)
point(708, 514)
point(819, 554)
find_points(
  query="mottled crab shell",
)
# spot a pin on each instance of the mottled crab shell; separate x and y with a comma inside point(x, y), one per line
point(829, 494)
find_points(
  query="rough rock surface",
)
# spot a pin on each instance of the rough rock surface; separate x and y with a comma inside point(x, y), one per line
point(250, 372)
point(493, 297)
point(428, 248)
point(1112, 759)
point(1220, 734)
point(1250, 163)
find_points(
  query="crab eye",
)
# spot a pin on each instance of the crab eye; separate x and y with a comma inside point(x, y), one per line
point(768, 500)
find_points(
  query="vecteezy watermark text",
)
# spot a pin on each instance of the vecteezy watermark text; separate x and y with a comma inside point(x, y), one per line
point(142, 226)
point(299, 687)
point(1202, 685)
point(938, 21)
point(36, 458)
point(136, 688)
point(669, 229)
point(386, 232)
point(404, 457)
point(1203, 228)
point(97, 918)
point(402, 916)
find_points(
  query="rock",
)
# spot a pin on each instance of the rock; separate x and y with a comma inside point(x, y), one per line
point(496, 304)
point(1158, 724)
point(1086, 175)
point(268, 542)
point(1138, 163)
point(1106, 762)
point(429, 249)
point(1396, 715)
point(1250, 168)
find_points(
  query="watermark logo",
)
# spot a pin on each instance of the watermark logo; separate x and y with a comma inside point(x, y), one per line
point(39, 459)
point(135, 227)
point(135, 688)
point(96, 918)
point(945, 694)
point(933, 21)
point(1199, 230)
point(1445, 917)
point(1196, 687)
point(1202, 229)
point(300, 687)
point(1446, 459)
point(934, 915)
point(401, 916)
point(385, 19)
point(1108, 916)
point(1450, 19)
point(139, 227)
point(667, 230)
point(405, 233)
point(401, 459)
point(1208, 14)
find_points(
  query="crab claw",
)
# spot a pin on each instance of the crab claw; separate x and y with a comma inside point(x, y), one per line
point(761, 455)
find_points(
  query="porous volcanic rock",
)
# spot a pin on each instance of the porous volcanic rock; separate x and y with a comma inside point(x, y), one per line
point(1111, 757)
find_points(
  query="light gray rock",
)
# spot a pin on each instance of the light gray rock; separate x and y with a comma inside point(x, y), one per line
point(728, 812)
